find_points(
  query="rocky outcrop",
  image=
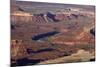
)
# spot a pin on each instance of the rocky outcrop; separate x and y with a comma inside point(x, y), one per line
point(20, 16)
point(80, 56)
point(39, 18)
point(17, 49)
point(27, 17)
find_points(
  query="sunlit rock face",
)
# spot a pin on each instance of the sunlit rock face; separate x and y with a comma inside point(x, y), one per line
point(18, 50)
point(19, 16)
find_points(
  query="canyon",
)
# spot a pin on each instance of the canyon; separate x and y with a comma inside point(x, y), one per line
point(44, 33)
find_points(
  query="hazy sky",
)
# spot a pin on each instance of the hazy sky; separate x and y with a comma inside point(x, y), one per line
point(87, 2)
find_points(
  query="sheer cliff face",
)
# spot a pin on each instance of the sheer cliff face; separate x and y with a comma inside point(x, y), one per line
point(19, 16)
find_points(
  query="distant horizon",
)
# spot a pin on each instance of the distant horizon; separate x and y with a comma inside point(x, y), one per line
point(78, 2)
